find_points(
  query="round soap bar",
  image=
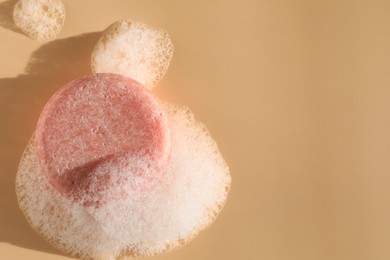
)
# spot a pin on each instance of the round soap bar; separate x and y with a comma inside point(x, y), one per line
point(99, 134)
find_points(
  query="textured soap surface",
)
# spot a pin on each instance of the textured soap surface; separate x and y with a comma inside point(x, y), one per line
point(99, 133)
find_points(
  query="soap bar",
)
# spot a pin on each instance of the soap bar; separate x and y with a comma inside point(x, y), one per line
point(98, 132)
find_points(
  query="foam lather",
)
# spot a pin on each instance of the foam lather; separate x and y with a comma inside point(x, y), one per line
point(39, 19)
point(112, 172)
point(135, 50)
point(144, 222)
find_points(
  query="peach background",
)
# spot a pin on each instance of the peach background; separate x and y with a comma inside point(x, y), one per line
point(296, 93)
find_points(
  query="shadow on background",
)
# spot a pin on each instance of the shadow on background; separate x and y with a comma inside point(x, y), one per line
point(6, 16)
point(21, 100)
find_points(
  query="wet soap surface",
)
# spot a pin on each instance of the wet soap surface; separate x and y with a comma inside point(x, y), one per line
point(95, 122)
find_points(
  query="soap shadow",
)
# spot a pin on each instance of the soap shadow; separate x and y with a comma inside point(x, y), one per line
point(6, 16)
point(21, 100)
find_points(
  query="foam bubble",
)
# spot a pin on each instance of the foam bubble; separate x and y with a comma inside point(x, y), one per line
point(145, 222)
point(39, 19)
point(135, 50)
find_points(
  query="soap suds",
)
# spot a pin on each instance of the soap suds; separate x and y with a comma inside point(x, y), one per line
point(39, 19)
point(135, 50)
point(167, 215)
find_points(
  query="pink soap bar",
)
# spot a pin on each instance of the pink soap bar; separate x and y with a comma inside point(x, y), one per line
point(97, 132)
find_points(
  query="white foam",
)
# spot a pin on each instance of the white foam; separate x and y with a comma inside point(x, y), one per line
point(135, 50)
point(165, 215)
point(39, 19)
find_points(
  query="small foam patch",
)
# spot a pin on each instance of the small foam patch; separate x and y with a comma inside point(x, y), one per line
point(39, 19)
point(135, 50)
point(166, 216)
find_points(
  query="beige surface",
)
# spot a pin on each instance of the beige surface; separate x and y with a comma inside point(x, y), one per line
point(296, 93)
